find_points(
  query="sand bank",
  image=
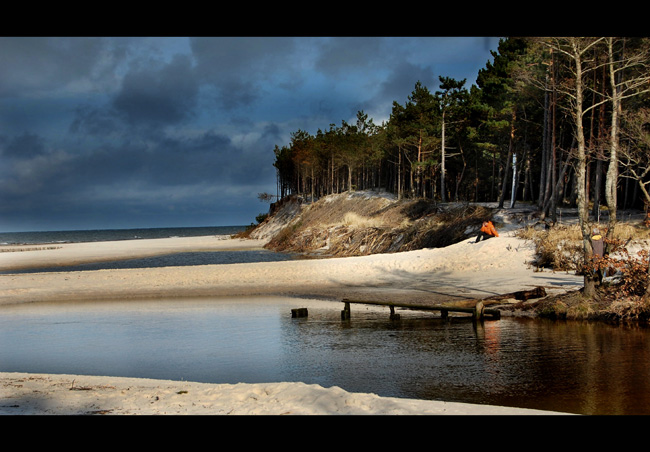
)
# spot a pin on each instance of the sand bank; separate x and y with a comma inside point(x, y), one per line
point(466, 270)
point(22, 394)
point(62, 254)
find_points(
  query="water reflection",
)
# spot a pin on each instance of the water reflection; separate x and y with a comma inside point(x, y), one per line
point(572, 367)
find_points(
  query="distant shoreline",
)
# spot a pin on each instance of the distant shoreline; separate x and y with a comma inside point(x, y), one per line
point(43, 238)
point(75, 253)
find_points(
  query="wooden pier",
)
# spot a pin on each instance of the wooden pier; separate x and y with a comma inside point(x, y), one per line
point(478, 312)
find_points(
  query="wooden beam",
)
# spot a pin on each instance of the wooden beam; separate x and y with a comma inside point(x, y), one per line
point(479, 311)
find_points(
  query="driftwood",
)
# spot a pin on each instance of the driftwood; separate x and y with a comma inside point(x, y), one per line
point(522, 295)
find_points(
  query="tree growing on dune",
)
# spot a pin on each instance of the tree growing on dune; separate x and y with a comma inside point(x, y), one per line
point(414, 126)
point(500, 97)
point(628, 70)
point(578, 62)
point(635, 156)
point(451, 97)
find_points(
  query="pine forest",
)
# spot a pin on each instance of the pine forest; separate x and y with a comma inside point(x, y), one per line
point(558, 121)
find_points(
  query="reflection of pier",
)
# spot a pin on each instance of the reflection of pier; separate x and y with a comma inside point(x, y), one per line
point(478, 312)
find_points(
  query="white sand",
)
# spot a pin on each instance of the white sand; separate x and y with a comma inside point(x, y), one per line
point(465, 270)
point(73, 394)
point(459, 272)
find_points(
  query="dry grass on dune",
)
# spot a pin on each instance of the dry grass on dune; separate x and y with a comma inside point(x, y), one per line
point(621, 297)
point(560, 247)
point(354, 224)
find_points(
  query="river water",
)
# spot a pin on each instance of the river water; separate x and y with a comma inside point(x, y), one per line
point(574, 367)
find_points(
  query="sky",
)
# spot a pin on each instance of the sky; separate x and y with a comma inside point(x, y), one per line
point(138, 132)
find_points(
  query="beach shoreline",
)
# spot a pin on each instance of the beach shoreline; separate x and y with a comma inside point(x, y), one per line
point(461, 272)
point(50, 394)
point(29, 256)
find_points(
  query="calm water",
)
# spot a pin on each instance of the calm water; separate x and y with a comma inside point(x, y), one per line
point(102, 235)
point(571, 367)
point(173, 260)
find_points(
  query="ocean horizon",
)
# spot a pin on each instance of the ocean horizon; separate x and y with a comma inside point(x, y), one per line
point(104, 235)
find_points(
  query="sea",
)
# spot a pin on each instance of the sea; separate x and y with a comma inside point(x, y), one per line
point(53, 238)
point(104, 235)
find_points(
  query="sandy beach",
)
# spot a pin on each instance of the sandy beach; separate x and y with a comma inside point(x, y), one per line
point(25, 394)
point(463, 271)
point(466, 270)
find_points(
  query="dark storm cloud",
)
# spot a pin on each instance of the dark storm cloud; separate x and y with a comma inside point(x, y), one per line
point(158, 95)
point(37, 66)
point(353, 54)
point(237, 66)
point(27, 145)
point(90, 120)
point(171, 177)
point(165, 131)
point(170, 163)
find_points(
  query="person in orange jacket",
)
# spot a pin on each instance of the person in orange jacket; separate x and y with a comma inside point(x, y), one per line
point(487, 231)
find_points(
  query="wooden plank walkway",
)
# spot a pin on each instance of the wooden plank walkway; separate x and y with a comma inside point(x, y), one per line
point(478, 312)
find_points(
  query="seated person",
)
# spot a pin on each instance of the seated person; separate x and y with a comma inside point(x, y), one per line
point(487, 231)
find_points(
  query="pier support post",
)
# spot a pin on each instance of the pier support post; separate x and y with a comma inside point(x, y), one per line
point(299, 312)
point(345, 313)
point(478, 311)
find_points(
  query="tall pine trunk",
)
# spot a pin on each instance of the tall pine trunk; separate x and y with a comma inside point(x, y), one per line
point(612, 170)
point(443, 171)
point(506, 171)
point(583, 213)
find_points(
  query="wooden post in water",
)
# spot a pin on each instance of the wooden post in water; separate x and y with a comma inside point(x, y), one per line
point(299, 312)
point(478, 310)
point(345, 313)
